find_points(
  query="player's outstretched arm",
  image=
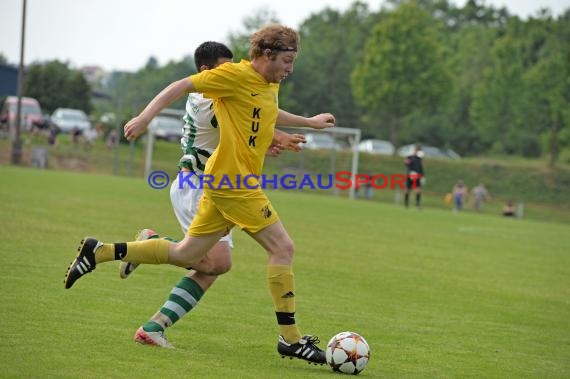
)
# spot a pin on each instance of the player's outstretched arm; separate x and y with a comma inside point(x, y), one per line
point(287, 141)
point(320, 121)
point(138, 125)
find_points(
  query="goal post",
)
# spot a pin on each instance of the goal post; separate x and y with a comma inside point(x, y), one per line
point(346, 140)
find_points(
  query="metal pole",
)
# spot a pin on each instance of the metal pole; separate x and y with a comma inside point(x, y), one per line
point(117, 148)
point(354, 167)
point(131, 157)
point(520, 209)
point(148, 155)
point(333, 164)
point(17, 142)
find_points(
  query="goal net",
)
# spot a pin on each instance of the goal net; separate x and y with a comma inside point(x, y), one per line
point(328, 162)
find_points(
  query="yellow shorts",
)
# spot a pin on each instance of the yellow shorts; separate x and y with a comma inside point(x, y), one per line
point(220, 210)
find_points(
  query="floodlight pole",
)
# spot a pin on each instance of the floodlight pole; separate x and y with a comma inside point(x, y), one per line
point(17, 142)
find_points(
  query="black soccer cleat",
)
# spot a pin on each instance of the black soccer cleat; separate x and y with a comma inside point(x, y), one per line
point(306, 349)
point(84, 263)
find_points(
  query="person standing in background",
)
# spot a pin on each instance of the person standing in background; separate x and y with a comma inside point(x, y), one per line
point(414, 175)
point(459, 195)
point(480, 194)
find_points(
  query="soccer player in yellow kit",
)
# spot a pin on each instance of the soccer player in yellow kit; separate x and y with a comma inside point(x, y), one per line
point(245, 96)
point(201, 137)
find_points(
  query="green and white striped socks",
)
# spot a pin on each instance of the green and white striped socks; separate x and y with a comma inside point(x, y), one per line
point(182, 299)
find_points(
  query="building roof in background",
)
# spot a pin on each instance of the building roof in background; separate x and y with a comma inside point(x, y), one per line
point(8, 80)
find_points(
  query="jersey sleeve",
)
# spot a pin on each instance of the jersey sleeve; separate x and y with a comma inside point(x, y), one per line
point(218, 82)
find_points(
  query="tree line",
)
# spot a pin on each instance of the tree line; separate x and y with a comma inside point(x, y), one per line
point(475, 78)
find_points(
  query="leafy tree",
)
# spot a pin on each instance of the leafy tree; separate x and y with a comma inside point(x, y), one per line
point(523, 93)
point(151, 64)
point(331, 45)
point(473, 78)
point(402, 70)
point(548, 84)
point(56, 85)
point(475, 12)
point(131, 92)
point(469, 55)
point(239, 41)
point(496, 102)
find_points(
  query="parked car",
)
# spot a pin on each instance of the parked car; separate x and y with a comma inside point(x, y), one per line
point(452, 154)
point(67, 119)
point(429, 151)
point(320, 141)
point(376, 146)
point(31, 114)
point(167, 127)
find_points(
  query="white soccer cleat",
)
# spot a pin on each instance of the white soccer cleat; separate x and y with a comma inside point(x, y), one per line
point(152, 338)
point(126, 268)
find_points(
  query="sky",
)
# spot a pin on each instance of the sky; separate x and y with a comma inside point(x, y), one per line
point(123, 34)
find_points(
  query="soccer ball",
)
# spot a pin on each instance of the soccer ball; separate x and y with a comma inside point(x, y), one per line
point(348, 352)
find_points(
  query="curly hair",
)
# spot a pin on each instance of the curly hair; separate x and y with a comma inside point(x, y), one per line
point(275, 37)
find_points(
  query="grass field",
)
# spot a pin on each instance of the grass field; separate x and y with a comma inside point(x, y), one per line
point(436, 294)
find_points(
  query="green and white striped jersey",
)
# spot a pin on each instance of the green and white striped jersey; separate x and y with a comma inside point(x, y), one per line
point(201, 133)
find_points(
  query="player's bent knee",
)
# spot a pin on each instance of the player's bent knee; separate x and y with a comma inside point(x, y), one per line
point(289, 248)
point(215, 264)
point(222, 267)
point(285, 250)
point(219, 259)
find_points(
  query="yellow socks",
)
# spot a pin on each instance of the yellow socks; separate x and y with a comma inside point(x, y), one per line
point(153, 251)
point(105, 253)
point(281, 283)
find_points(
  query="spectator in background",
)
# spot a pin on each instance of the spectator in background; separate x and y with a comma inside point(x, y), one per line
point(75, 136)
point(89, 136)
point(509, 209)
point(367, 188)
point(100, 129)
point(480, 194)
point(52, 135)
point(459, 195)
point(448, 199)
point(112, 139)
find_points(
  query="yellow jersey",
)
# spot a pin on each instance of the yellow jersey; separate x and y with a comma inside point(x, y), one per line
point(246, 107)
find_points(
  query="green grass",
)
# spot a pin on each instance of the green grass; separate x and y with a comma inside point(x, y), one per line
point(436, 294)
